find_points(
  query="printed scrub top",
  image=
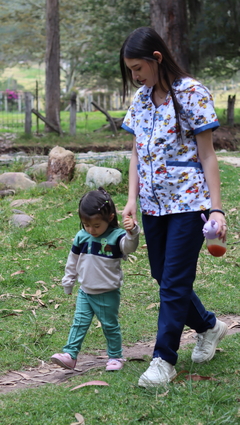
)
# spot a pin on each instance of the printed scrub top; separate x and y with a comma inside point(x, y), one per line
point(171, 178)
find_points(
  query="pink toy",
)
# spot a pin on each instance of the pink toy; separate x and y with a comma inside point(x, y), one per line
point(215, 246)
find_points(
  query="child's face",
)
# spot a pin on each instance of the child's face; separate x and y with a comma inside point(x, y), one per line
point(95, 225)
point(143, 71)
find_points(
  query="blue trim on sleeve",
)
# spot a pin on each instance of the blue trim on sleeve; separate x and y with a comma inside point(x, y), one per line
point(125, 127)
point(214, 125)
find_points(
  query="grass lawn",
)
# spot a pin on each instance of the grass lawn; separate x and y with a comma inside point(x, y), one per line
point(36, 316)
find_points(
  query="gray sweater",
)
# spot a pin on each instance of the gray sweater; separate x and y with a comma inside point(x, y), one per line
point(96, 262)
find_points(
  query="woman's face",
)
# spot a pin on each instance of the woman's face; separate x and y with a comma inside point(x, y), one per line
point(143, 71)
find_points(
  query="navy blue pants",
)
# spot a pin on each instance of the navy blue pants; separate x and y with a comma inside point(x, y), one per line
point(174, 242)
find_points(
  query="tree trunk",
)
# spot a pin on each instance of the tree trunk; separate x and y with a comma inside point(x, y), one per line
point(169, 19)
point(230, 110)
point(52, 61)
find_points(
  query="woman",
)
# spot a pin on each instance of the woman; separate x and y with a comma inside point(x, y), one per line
point(174, 171)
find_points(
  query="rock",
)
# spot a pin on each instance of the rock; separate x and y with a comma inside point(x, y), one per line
point(15, 181)
point(6, 192)
point(48, 184)
point(6, 159)
point(82, 167)
point(38, 169)
point(102, 176)
point(61, 164)
point(21, 219)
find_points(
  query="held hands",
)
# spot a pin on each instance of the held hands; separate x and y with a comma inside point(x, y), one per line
point(130, 210)
point(128, 223)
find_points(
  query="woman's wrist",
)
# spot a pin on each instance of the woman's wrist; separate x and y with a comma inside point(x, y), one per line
point(216, 210)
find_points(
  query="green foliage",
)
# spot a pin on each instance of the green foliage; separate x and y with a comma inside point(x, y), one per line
point(214, 37)
point(91, 33)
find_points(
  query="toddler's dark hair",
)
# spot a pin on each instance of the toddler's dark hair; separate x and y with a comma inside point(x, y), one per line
point(98, 202)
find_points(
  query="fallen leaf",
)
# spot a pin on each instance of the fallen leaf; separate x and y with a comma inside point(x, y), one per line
point(22, 244)
point(56, 306)
point(18, 272)
point(90, 383)
point(41, 303)
point(64, 218)
point(234, 325)
point(63, 185)
point(79, 418)
point(24, 375)
point(50, 331)
point(98, 324)
point(196, 377)
point(41, 281)
point(152, 306)
point(163, 394)
point(132, 258)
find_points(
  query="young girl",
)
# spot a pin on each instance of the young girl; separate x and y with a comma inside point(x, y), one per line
point(95, 260)
point(174, 171)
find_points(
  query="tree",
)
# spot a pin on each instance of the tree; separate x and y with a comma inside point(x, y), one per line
point(169, 19)
point(52, 61)
point(92, 32)
point(214, 35)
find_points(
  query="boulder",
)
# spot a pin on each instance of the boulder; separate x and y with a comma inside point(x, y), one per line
point(38, 169)
point(61, 164)
point(21, 219)
point(15, 181)
point(103, 176)
point(82, 167)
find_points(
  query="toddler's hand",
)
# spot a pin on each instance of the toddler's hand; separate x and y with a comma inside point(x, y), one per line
point(128, 223)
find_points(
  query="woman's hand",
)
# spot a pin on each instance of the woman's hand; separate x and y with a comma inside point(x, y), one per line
point(130, 210)
point(222, 225)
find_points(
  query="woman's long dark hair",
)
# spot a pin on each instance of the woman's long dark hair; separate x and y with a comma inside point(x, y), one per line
point(98, 202)
point(141, 44)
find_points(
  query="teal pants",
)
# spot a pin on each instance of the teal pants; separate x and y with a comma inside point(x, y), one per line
point(105, 306)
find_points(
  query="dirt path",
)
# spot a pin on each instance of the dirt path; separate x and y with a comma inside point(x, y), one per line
point(233, 160)
point(48, 373)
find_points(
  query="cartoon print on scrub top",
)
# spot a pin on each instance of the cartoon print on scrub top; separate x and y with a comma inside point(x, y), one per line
point(167, 153)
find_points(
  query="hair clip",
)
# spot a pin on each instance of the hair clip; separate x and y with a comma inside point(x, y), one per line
point(103, 205)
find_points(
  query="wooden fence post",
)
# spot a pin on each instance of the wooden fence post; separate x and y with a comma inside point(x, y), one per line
point(28, 113)
point(6, 103)
point(73, 111)
point(230, 110)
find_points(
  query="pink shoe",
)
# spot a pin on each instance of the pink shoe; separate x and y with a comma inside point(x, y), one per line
point(114, 364)
point(64, 360)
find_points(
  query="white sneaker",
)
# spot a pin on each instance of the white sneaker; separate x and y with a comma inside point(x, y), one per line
point(159, 372)
point(208, 341)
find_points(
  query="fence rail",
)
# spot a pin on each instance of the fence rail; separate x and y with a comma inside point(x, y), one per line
point(15, 109)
